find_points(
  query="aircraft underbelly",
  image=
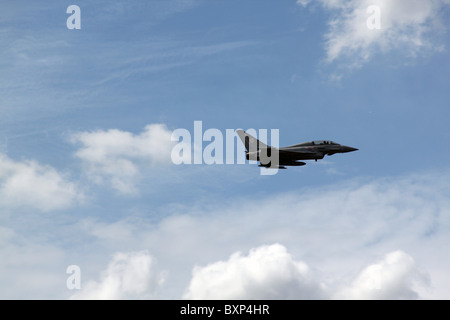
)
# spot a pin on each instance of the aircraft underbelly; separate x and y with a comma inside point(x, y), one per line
point(301, 156)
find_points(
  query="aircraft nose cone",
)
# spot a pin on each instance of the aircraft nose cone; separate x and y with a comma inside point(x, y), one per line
point(348, 149)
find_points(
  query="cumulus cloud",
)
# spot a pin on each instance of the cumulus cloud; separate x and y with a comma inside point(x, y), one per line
point(405, 25)
point(128, 276)
point(336, 231)
point(392, 278)
point(335, 236)
point(30, 184)
point(115, 157)
point(268, 272)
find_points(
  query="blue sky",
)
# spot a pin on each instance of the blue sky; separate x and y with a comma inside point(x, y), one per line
point(86, 178)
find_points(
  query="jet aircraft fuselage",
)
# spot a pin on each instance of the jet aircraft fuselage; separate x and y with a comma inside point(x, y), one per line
point(290, 155)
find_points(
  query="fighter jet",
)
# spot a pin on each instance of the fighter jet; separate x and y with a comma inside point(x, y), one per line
point(290, 155)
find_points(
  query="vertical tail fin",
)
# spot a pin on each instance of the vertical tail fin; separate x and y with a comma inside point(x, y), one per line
point(251, 143)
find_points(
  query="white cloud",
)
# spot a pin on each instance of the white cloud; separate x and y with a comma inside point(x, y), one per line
point(330, 243)
point(392, 278)
point(30, 184)
point(338, 231)
point(406, 25)
point(303, 2)
point(115, 157)
point(128, 276)
point(268, 272)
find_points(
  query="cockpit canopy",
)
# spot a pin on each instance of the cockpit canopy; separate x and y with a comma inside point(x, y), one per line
point(318, 143)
